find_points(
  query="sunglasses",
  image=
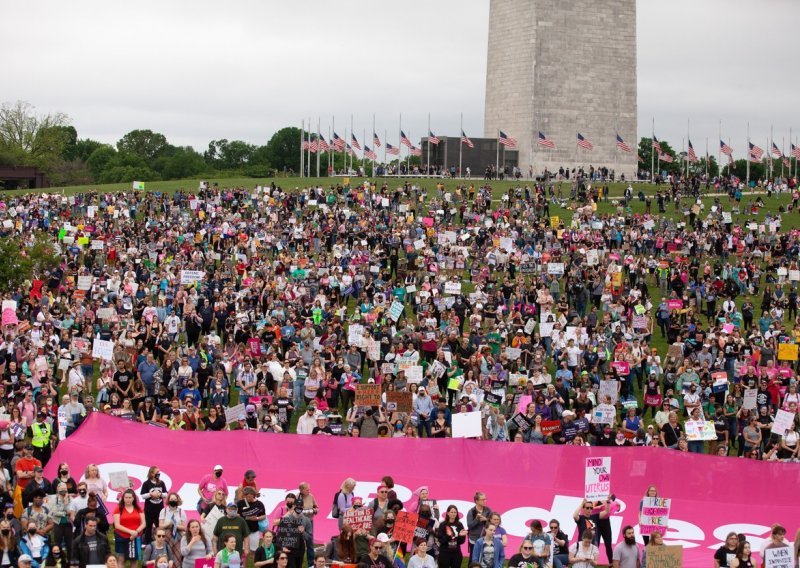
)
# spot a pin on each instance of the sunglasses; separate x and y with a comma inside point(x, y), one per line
point(527, 548)
point(160, 535)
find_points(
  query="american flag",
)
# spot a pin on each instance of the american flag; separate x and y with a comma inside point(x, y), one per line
point(584, 143)
point(313, 145)
point(432, 138)
point(776, 151)
point(756, 153)
point(322, 146)
point(543, 140)
point(354, 142)
point(795, 151)
point(666, 158)
point(404, 140)
point(621, 144)
point(305, 144)
point(337, 142)
point(507, 140)
point(376, 140)
point(350, 150)
point(691, 156)
point(415, 151)
point(725, 149)
point(392, 150)
point(465, 139)
point(369, 154)
point(656, 144)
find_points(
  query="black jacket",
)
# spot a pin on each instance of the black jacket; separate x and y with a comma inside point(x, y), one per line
point(80, 549)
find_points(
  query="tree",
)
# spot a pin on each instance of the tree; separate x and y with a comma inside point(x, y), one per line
point(98, 160)
point(183, 163)
point(146, 144)
point(226, 155)
point(84, 148)
point(29, 138)
point(283, 149)
point(646, 154)
point(739, 169)
point(21, 261)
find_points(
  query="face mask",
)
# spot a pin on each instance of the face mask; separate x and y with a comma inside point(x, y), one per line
point(62, 493)
point(31, 531)
point(82, 492)
point(56, 554)
point(217, 474)
point(163, 565)
point(6, 532)
point(63, 472)
point(389, 522)
point(173, 503)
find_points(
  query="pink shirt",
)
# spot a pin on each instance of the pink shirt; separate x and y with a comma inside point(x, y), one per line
point(209, 485)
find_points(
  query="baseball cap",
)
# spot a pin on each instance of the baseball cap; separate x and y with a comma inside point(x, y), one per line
point(231, 505)
point(25, 558)
point(218, 467)
point(382, 537)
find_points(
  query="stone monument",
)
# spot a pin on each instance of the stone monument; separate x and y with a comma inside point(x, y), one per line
point(563, 67)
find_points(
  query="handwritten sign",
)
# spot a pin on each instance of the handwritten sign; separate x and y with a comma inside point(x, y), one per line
point(608, 389)
point(414, 374)
point(233, 413)
point(405, 525)
point(360, 518)
point(84, 282)
point(555, 268)
point(783, 419)
point(787, 351)
point(355, 334)
point(655, 515)
point(452, 288)
point(191, 276)
point(782, 557)
point(288, 533)
point(597, 486)
point(398, 401)
point(665, 556)
point(102, 349)
point(119, 480)
point(368, 395)
point(396, 310)
point(750, 397)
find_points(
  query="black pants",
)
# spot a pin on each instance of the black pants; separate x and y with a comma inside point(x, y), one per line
point(604, 532)
point(62, 537)
point(151, 512)
point(296, 558)
point(42, 454)
point(450, 560)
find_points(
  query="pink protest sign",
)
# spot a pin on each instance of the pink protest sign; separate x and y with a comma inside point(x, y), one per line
point(710, 494)
point(621, 367)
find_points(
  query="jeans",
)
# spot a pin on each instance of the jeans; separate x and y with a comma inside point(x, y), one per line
point(560, 560)
point(696, 447)
point(426, 424)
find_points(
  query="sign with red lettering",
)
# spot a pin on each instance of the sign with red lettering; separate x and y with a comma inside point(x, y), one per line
point(360, 518)
point(598, 479)
point(405, 525)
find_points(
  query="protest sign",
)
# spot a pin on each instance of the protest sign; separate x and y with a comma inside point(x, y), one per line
point(520, 422)
point(597, 486)
point(467, 424)
point(665, 556)
point(513, 353)
point(555, 268)
point(191, 276)
point(398, 401)
point(355, 334)
point(233, 413)
point(783, 419)
point(550, 427)
point(608, 388)
point(749, 401)
point(288, 534)
point(368, 395)
point(452, 287)
point(373, 349)
point(414, 374)
point(782, 557)
point(604, 414)
point(105, 313)
point(102, 349)
point(84, 282)
point(358, 518)
point(622, 368)
point(639, 322)
point(787, 351)
point(655, 515)
point(675, 304)
point(396, 310)
point(118, 480)
point(405, 525)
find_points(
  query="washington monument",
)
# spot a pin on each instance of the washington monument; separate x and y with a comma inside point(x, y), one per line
point(563, 67)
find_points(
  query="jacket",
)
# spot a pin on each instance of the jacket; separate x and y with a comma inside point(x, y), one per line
point(499, 552)
point(80, 549)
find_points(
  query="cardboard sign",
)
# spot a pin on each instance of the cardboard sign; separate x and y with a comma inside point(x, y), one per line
point(102, 349)
point(398, 401)
point(787, 351)
point(655, 515)
point(665, 556)
point(405, 525)
point(782, 557)
point(597, 486)
point(368, 395)
point(467, 425)
point(360, 518)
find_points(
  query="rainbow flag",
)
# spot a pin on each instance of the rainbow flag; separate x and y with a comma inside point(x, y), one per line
point(399, 561)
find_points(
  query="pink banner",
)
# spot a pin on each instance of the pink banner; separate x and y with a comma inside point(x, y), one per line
point(710, 495)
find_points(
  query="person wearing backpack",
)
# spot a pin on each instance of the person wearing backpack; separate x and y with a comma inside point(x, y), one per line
point(343, 500)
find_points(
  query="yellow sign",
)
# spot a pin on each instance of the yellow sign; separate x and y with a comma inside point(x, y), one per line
point(346, 181)
point(616, 279)
point(554, 221)
point(787, 351)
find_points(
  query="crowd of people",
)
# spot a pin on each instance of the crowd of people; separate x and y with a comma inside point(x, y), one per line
point(270, 310)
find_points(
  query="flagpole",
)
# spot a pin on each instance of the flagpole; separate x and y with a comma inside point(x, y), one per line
point(319, 135)
point(653, 154)
point(331, 149)
point(429, 146)
point(461, 143)
point(373, 143)
point(719, 152)
point(302, 139)
point(577, 149)
point(385, 138)
point(497, 159)
point(771, 157)
point(783, 148)
point(748, 155)
point(399, 145)
point(308, 161)
point(706, 156)
point(363, 156)
point(688, 141)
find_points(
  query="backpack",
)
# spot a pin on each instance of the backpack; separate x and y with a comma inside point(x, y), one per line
point(335, 510)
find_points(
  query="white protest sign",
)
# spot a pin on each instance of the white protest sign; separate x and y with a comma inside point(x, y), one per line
point(598, 479)
point(467, 425)
point(608, 388)
point(414, 374)
point(750, 396)
point(655, 515)
point(419, 244)
point(452, 287)
point(84, 282)
point(396, 310)
point(102, 349)
point(232, 414)
point(191, 276)
point(97, 245)
point(373, 350)
point(604, 414)
point(513, 353)
point(782, 557)
point(355, 334)
point(556, 268)
point(783, 419)
point(118, 480)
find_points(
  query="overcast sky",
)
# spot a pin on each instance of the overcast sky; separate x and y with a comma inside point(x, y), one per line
point(242, 69)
